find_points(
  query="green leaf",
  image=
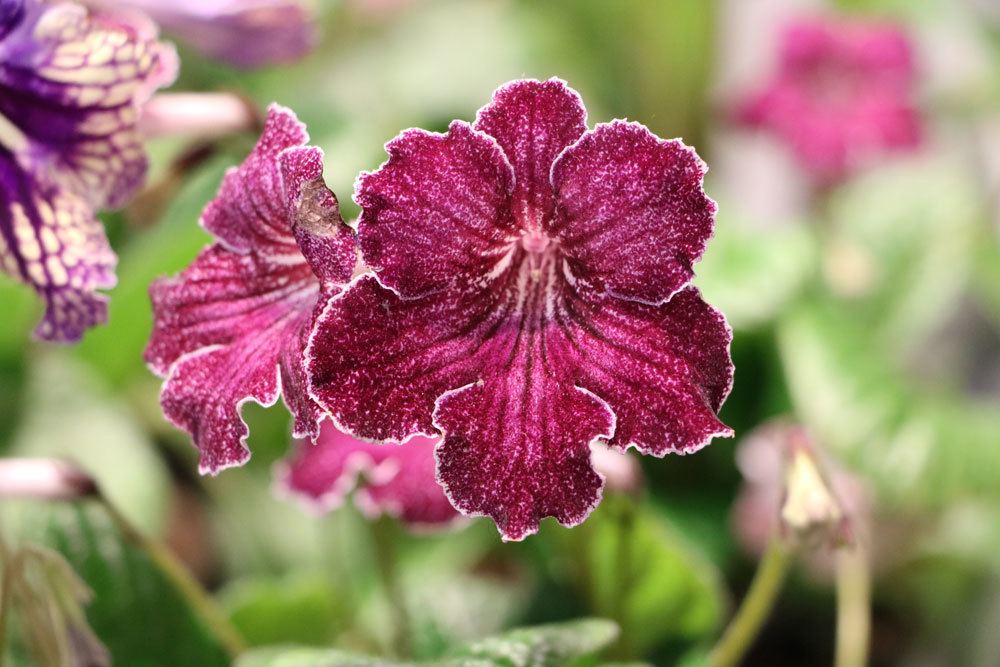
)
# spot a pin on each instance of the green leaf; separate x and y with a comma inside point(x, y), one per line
point(917, 446)
point(70, 413)
point(309, 657)
point(550, 645)
point(554, 645)
point(903, 246)
point(751, 275)
point(637, 570)
point(136, 612)
point(301, 609)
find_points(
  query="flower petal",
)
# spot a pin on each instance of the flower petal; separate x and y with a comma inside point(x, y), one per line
point(631, 213)
point(398, 480)
point(50, 240)
point(251, 211)
point(243, 33)
point(533, 122)
point(664, 370)
point(378, 362)
point(501, 371)
point(222, 329)
point(69, 85)
point(437, 211)
point(517, 448)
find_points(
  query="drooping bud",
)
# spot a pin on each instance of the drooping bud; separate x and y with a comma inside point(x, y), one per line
point(810, 511)
point(44, 479)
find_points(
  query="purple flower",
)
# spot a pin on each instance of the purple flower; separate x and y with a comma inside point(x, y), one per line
point(841, 96)
point(243, 33)
point(231, 327)
point(70, 89)
point(398, 480)
point(530, 295)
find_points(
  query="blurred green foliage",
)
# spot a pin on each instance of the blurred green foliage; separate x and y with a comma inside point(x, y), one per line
point(871, 315)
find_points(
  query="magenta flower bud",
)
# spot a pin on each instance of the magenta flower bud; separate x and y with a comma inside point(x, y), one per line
point(69, 144)
point(397, 480)
point(531, 295)
point(841, 96)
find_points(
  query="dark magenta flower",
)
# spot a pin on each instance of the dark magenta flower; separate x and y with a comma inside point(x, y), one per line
point(70, 89)
point(398, 480)
point(231, 327)
point(842, 95)
point(243, 33)
point(530, 295)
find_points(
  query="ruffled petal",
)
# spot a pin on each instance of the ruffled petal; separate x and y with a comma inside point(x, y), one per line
point(50, 240)
point(378, 362)
point(490, 369)
point(232, 327)
point(398, 480)
point(631, 216)
point(438, 211)
point(516, 447)
point(228, 329)
point(533, 122)
point(70, 85)
point(251, 211)
point(664, 370)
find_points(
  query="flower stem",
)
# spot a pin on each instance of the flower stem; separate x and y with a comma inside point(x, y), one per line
point(384, 542)
point(625, 526)
point(755, 608)
point(853, 607)
point(204, 606)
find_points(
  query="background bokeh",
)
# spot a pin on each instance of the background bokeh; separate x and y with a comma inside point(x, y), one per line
point(873, 319)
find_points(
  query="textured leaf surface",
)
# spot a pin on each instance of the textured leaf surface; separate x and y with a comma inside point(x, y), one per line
point(637, 569)
point(135, 611)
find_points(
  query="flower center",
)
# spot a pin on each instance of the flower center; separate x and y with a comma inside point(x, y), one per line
point(535, 242)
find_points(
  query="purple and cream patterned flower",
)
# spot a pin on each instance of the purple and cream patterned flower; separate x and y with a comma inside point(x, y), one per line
point(397, 480)
point(243, 33)
point(70, 88)
point(231, 327)
point(530, 295)
point(841, 96)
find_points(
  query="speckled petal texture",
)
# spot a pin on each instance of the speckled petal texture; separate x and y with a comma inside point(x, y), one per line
point(398, 480)
point(528, 299)
point(70, 88)
point(51, 240)
point(232, 326)
point(632, 217)
point(458, 186)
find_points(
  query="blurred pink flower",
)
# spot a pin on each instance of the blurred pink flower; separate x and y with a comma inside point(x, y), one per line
point(842, 95)
point(398, 480)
